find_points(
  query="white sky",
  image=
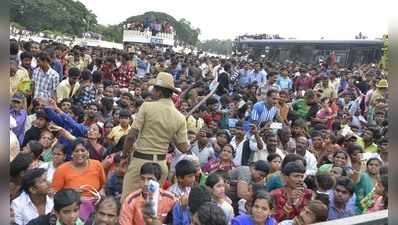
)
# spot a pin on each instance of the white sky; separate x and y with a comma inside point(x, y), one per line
point(302, 19)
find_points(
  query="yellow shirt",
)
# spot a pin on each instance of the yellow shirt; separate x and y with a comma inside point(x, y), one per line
point(64, 88)
point(117, 132)
point(20, 82)
point(195, 124)
point(71, 62)
point(87, 60)
point(159, 122)
point(371, 148)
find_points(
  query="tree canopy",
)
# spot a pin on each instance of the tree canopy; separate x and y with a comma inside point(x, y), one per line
point(223, 47)
point(65, 16)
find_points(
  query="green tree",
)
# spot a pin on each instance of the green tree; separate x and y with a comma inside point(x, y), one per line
point(217, 46)
point(110, 33)
point(65, 16)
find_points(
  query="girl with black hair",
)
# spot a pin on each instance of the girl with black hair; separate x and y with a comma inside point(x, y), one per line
point(216, 185)
point(260, 213)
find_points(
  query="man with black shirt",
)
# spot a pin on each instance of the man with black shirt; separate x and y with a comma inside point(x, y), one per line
point(223, 80)
point(38, 126)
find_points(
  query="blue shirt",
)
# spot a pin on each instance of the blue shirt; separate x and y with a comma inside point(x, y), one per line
point(260, 77)
point(284, 83)
point(244, 77)
point(57, 66)
point(247, 220)
point(181, 216)
point(114, 184)
point(142, 67)
point(343, 85)
point(176, 73)
point(68, 123)
point(334, 213)
point(261, 112)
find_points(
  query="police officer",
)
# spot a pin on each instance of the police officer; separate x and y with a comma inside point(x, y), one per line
point(157, 123)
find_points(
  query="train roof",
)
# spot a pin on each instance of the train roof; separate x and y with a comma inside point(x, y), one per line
point(294, 41)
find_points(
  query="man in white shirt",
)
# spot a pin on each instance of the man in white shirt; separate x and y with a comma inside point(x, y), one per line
point(239, 140)
point(34, 200)
point(204, 67)
point(302, 145)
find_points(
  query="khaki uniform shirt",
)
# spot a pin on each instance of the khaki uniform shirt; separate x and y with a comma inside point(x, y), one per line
point(159, 122)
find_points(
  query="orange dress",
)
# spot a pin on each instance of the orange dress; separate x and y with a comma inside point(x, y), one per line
point(67, 176)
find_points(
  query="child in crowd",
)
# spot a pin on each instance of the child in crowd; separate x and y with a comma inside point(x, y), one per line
point(215, 183)
point(114, 184)
point(260, 211)
point(185, 173)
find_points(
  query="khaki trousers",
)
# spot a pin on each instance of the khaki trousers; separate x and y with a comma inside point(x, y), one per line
point(132, 179)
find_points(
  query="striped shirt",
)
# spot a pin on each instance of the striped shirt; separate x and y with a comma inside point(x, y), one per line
point(261, 113)
point(45, 83)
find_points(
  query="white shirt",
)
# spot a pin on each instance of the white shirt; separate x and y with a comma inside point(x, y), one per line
point(335, 84)
point(49, 166)
point(311, 168)
point(204, 154)
point(29, 121)
point(205, 69)
point(228, 210)
point(33, 63)
point(26, 211)
point(263, 154)
point(215, 71)
point(368, 155)
point(239, 149)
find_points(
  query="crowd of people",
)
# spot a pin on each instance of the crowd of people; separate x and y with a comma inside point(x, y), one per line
point(102, 136)
point(260, 36)
point(155, 26)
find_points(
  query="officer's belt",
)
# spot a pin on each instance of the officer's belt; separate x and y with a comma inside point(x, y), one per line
point(151, 157)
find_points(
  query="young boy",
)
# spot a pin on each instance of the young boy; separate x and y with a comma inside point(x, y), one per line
point(132, 212)
point(122, 129)
point(115, 179)
point(185, 173)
